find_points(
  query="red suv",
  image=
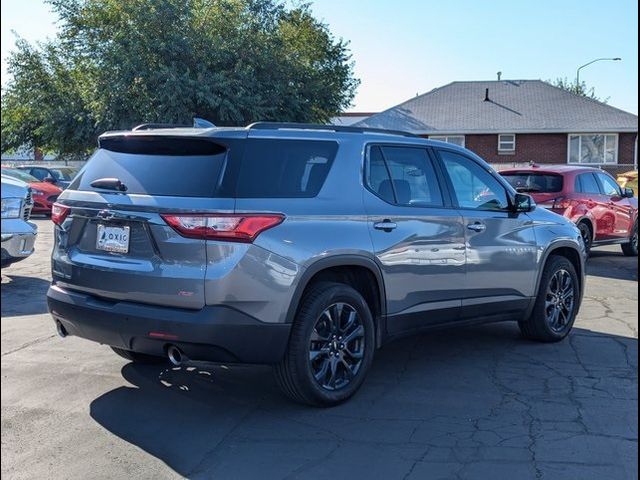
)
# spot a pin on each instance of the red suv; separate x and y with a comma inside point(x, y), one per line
point(604, 212)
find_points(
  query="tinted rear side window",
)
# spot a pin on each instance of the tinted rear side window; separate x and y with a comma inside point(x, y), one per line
point(284, 168)
point(535, 182)
point(156, 174)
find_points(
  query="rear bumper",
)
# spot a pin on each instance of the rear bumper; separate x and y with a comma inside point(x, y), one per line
point(214, 333)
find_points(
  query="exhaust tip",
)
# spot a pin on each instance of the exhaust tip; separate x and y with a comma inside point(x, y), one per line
point(61, 330)
point(175, 355)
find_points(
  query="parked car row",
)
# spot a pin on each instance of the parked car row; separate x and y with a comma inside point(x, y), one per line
point(59, 176)
point(27, 190)
point(18, 234)
point(44, 193)
point(46, 187)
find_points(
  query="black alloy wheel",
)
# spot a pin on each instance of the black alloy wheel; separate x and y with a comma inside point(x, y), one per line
point(560, 300)
point(336, 346)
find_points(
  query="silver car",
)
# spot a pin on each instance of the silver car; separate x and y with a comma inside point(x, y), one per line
point(303, 246)
point(18, 234)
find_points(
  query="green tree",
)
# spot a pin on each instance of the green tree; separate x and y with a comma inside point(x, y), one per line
point(116, 64)
point(578, 89)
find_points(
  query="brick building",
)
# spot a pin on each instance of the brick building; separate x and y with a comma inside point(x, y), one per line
point(513, 122)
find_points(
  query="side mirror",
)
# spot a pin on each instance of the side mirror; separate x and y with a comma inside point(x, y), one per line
point(49, 180)
point(523, 203)
point(628, 192)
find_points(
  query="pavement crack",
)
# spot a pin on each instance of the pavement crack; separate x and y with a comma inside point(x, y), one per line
point(29, 344)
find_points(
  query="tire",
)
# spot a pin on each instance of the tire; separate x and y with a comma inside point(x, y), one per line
point(631, 249)
point(542, 325)
point(587, 236)
point(137, 357)
point(332, 383)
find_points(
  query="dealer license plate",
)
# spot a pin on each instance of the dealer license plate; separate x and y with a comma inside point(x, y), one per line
point(112, 239)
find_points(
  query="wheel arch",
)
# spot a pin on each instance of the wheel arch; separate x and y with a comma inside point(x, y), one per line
point(571, 252)
point(338, 268)
point(590, 223)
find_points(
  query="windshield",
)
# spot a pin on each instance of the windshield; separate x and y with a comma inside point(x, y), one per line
point(24, 176)
point(63, 173)
point(534, 182)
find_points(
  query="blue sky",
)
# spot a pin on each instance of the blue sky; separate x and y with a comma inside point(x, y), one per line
point(404, 47)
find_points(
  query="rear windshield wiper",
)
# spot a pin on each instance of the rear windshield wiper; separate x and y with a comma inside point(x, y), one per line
point(109, 184)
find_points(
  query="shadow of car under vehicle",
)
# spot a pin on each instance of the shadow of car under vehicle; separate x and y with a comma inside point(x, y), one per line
point(23, 295)
point(453, 397)
point(609, 264)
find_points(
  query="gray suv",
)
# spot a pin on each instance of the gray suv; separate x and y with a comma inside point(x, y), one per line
point(306, 247)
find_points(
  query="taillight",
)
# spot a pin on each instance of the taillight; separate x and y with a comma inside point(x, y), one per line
point(59, 213)
point(232, 227)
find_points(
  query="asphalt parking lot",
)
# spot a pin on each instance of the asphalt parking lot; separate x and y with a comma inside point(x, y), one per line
point(470, 403)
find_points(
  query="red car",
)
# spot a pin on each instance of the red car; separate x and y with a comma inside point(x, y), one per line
point(604, 212)
point(44, 193)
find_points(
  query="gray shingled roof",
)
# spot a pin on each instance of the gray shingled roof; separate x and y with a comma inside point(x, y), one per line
point(514, 106)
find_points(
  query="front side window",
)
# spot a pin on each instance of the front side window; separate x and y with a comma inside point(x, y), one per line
point(609, 185)
point(506, 143)
point(403, 176)
point(453, 139)
point(473, 186)
point(593, 148)
point(587, 183)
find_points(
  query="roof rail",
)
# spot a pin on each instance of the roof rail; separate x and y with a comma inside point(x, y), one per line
point(318, 126)
point(151, 126)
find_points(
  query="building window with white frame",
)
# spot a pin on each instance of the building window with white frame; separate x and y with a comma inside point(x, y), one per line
point(593, 148)
point(454, 139)
point(506, 143)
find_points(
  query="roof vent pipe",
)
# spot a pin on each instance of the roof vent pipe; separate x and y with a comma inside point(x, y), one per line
point(486, 95)
point(499, 75)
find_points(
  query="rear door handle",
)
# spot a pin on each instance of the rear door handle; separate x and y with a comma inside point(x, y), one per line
point(386, 225)
point(477, 227)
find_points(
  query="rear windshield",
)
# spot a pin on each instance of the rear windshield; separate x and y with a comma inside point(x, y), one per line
point(535, 182)
point(154, 174)
point(284, 168)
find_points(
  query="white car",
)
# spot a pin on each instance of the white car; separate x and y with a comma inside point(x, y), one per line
point(18, 234)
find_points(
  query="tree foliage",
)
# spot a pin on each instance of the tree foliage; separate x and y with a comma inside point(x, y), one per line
point(579, 89)
point(116, 64)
